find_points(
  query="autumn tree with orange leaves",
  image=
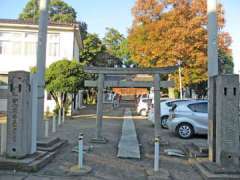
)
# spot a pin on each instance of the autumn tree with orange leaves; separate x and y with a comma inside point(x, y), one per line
point(166, 31)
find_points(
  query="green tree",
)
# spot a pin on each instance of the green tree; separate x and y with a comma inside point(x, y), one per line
point(59, 11)
point(92, 47)
point(166, 31)
point(113, 41)
point(117, 45)
point(64, 77)
point(226, 62)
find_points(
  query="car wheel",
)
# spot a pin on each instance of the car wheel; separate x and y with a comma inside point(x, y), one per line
point(185, 130)
point(164, 122)
point(143, 112)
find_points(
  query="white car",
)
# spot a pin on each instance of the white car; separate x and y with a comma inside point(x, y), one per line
point(143, 106)
point(165, 107)
point(189, 119)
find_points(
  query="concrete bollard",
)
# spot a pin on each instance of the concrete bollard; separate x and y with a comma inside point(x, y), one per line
point(46, 127)
point(156, 155)
point(54, 124)
point(63, 115)
point(80, 150)
point(59, 116)
point(3, 138)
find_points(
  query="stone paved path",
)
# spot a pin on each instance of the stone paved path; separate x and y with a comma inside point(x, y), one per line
point(128, 146)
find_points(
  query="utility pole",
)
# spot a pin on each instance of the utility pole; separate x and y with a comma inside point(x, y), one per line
point(180, 79)
point(41, 63)
point(213, 68)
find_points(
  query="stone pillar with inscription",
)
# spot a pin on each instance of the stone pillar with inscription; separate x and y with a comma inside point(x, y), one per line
point(227, 123)
point(19, 126)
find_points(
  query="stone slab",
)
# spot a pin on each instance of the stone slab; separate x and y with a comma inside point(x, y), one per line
point(11, 177)
point(128, 146)
point(195, 151)
point(99, 141)
point(31, 163)
point(77, 171)
point(51, 144)
point(162, 174)
point(211, 171)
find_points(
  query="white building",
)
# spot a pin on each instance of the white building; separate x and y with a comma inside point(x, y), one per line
point(18, 45)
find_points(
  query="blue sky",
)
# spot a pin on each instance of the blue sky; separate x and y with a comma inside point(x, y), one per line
point(100, 14)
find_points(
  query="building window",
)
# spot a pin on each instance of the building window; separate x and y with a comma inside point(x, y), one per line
point(53, 45)
point(10, 43)
point(53, 49)
point(5, 47)
point(16, 48)
point(30, 49)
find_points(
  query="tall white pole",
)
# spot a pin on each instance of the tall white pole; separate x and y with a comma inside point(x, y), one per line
point(156, 154)
point(80, 150)
point(180, 79)
point(213, 68)
point(41, 63)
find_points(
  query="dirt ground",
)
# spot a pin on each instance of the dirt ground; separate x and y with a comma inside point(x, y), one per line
point(102, 158)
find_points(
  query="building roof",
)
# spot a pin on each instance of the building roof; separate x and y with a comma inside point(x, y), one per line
point(30, 24)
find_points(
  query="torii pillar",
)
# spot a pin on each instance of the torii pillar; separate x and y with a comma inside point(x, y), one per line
point(99, 138)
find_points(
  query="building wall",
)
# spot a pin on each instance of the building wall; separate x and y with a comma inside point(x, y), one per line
point(18, 48)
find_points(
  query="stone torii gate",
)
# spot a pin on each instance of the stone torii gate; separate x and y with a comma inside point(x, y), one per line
point(100, 84)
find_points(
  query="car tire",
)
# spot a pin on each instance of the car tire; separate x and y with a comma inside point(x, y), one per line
point(185, 130)
point(164, 122)
point(143, 112)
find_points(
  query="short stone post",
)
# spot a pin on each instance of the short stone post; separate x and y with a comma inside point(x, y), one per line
point(46, 127)
point(3, 138)
point(54, 124)
point(80, 150)
point(63, 115)
point(59, 116)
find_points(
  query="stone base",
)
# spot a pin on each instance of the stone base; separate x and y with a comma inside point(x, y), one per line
point(30, 163)
point(212, 171)
point(50, 144)
point(162, 174)
point(99, 140)
point(196, 150)
point(77, 171)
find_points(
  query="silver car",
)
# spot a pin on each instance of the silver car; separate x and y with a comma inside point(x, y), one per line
point(189, 118)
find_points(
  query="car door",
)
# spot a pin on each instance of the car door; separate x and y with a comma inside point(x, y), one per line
point(200, 116)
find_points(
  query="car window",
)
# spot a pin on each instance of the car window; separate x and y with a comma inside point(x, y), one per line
point(145, 100)
point(199, 107)
point(170, 104)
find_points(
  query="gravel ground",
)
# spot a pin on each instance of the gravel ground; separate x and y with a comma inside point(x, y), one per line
point(103, 157)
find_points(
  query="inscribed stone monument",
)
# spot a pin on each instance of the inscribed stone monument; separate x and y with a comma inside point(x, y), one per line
point(19, 127)
point(227, 125)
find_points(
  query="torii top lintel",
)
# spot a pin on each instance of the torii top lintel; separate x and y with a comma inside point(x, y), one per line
point(108, 70)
